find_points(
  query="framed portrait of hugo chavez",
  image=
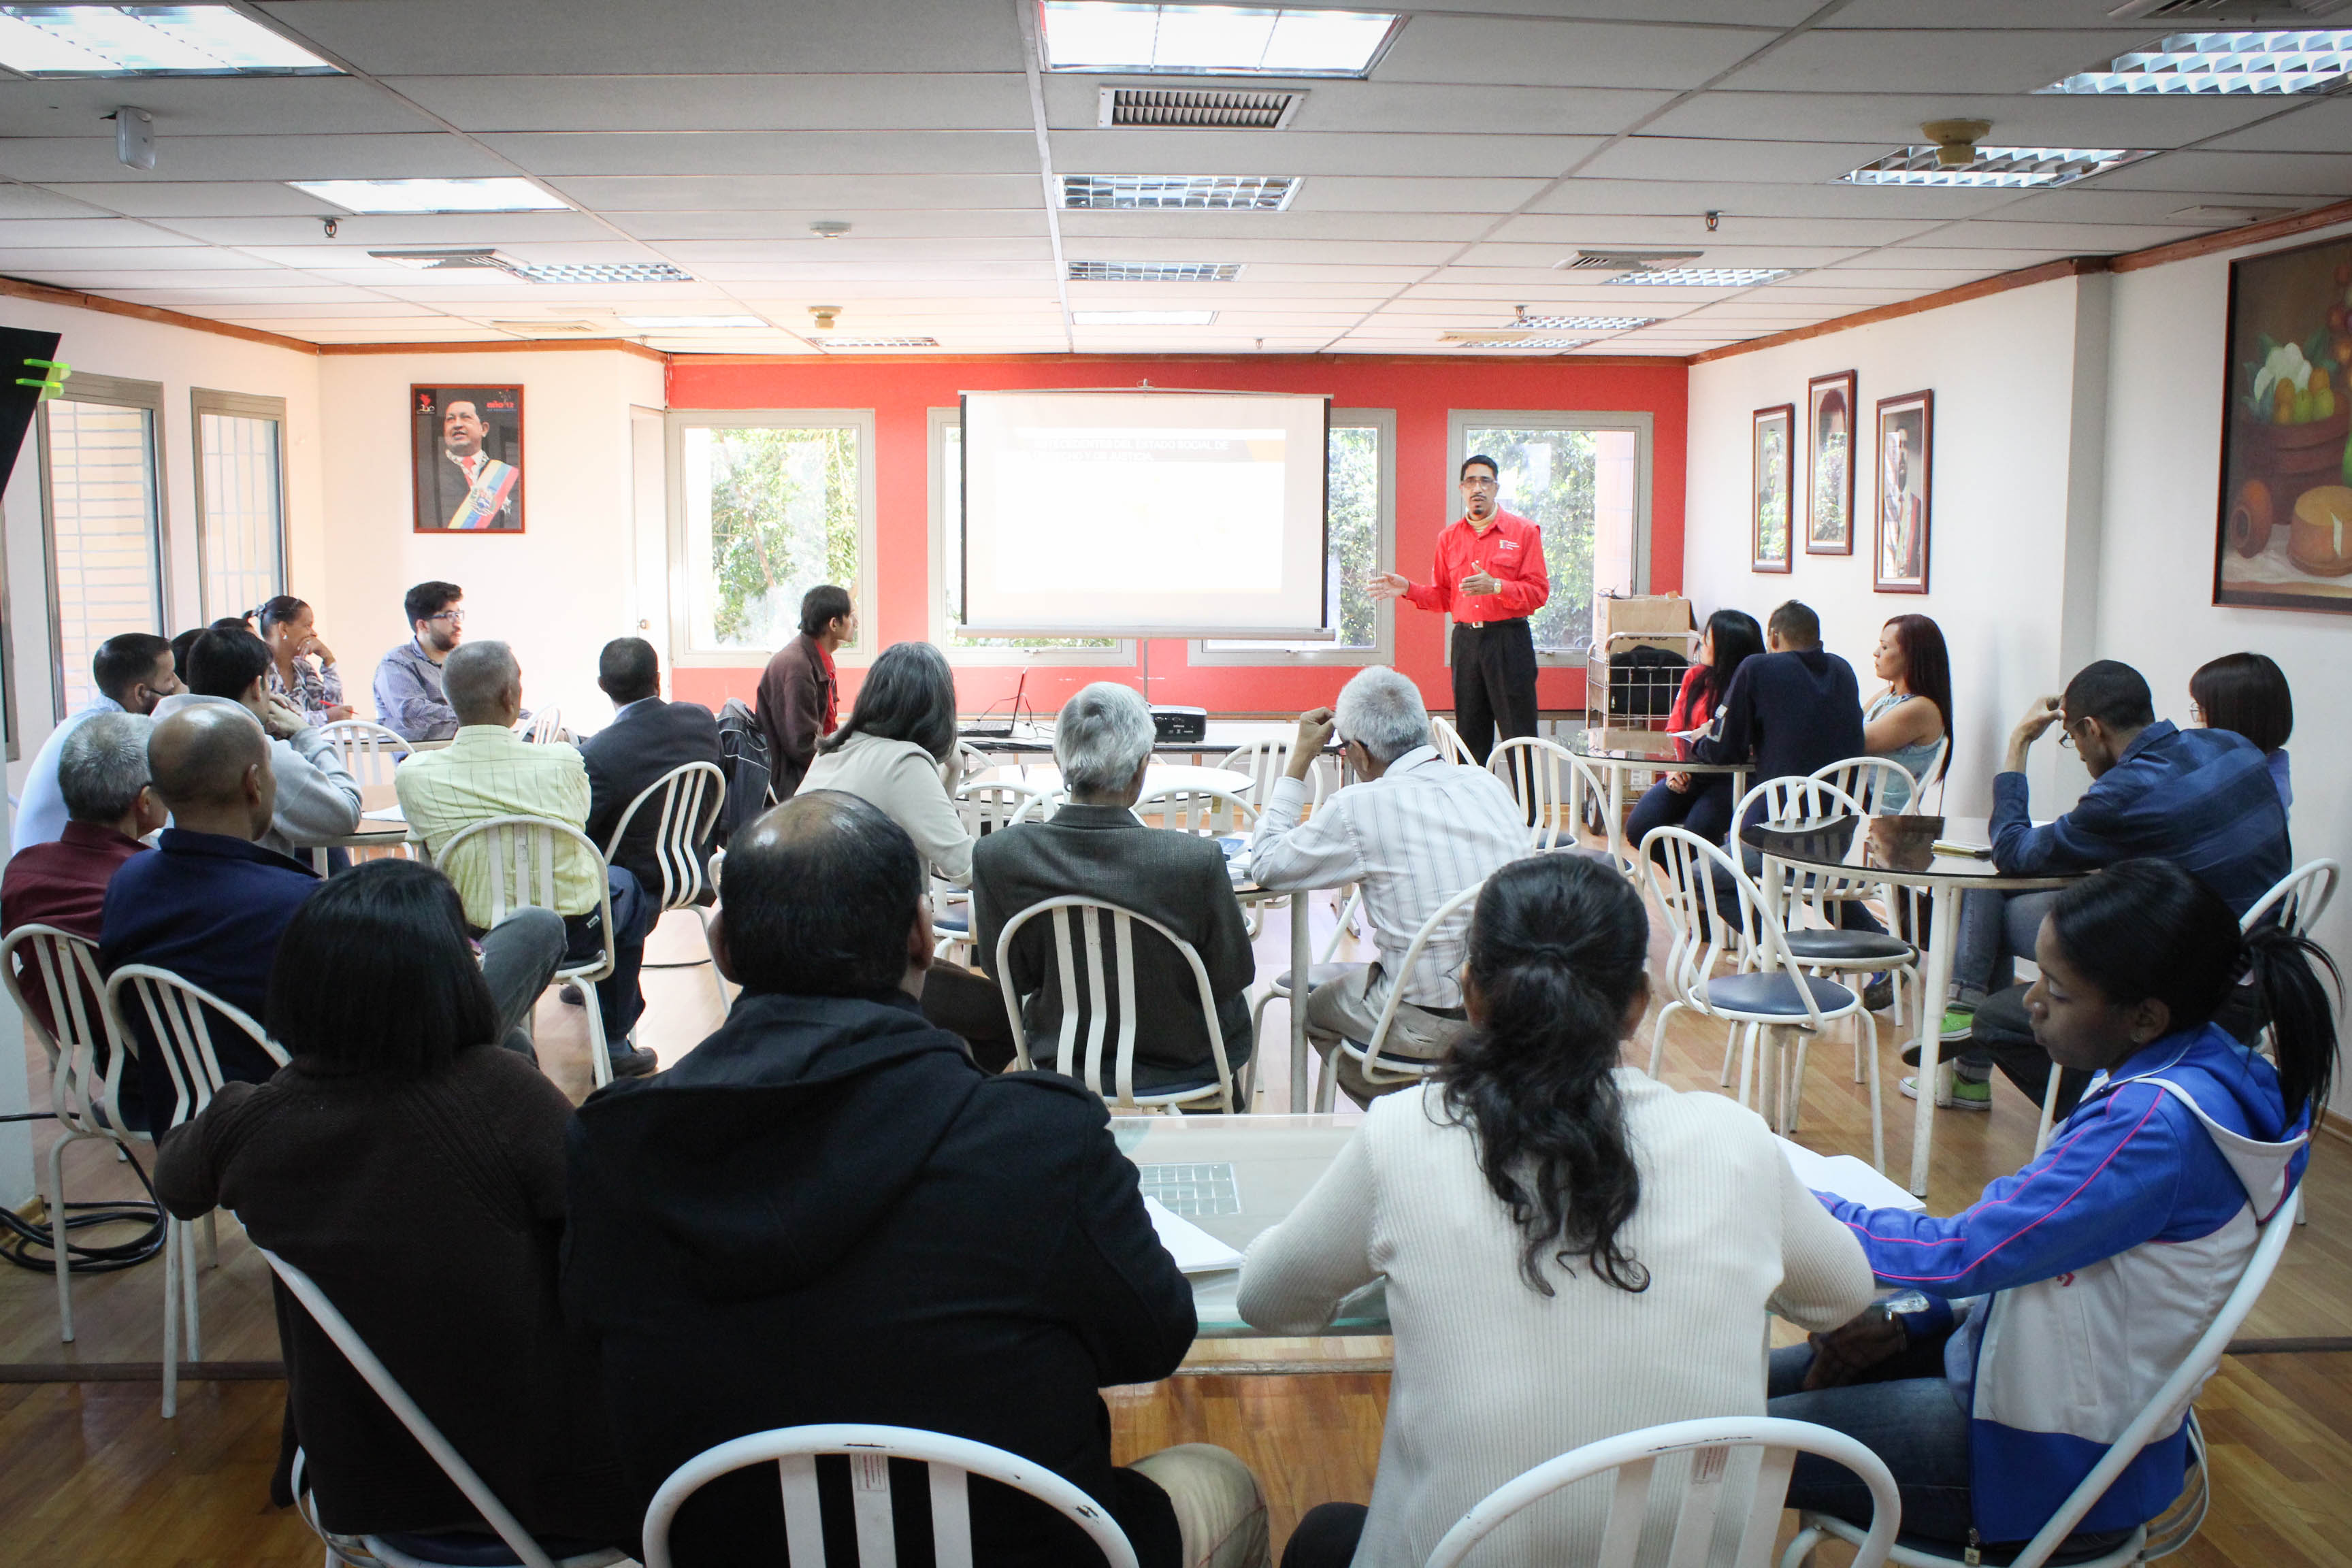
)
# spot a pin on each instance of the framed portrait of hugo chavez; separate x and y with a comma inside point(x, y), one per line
point(467, 446)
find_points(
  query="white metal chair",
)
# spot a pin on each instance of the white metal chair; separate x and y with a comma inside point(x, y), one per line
point(544, 726)
point(1265, 762)
point(1766, 1001)
point(794, 1450)
point(1453, 914)
point(1931, 782)
point(1868, 780)
point(1449, 743)
point(365, 1362)
point(1202, 809)
point(691, 796)
point(178, 1025)
point(2172, 1404)
point(87, 1099)
point(521, 853)
point(1542, 776)
point(984, 808)
point(1067, 915)
point(368, 752)
point(1707, 1486)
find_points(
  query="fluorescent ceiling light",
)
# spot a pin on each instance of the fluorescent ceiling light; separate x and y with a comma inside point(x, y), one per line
point(1154, 271)
point(1585, 323)
point(1527, 342)
point(875, 343)
point(692, 323)
point(2218, 63)
point(1706, 277)
point(148, 40)
point(1143, 318)
point(498, 194)
point(1219, 192)
point(1220, 40)
point(2011, 167)
point(603, 272)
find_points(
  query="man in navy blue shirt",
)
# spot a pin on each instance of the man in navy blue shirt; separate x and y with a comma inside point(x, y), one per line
point(1791, 712)
point(2202, 799)
point(211, 904)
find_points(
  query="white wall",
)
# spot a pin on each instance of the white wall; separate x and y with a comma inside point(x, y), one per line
point(182, 360)
point(560, 591)
point(2014, 376)
point(2155, 601)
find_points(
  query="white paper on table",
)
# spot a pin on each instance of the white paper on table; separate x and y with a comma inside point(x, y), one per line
point(1856, 1180)
point(385, 814)
point(1195, 1249)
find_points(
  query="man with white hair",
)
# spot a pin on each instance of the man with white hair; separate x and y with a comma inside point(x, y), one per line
point(1415, 832)
point(1096, 847)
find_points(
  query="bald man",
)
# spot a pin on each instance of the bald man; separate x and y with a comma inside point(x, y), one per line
point(210, 905)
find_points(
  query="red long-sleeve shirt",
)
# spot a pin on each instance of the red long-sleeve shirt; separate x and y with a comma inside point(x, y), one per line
point(1510, 551)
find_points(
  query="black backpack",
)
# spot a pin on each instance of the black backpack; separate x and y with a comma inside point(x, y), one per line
point(743, 758)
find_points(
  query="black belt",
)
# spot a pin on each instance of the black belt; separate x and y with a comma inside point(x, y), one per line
point(1484, 625)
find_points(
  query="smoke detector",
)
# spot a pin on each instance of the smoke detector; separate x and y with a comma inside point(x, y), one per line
point(828, 228)
point(1956, 140)
point(823, 315)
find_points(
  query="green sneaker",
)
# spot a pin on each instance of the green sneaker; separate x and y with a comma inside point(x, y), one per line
point(1959, 1022)
point(1967, 1094)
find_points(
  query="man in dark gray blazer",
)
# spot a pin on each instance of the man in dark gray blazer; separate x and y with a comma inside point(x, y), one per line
point(1095, 847)
point(647, 739)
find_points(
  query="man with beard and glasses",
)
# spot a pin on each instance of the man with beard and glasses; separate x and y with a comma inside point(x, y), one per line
point(408, 680)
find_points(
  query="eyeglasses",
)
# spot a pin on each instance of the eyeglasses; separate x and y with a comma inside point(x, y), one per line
point(454, 617)
point(2065, 735)
point(1482, 484)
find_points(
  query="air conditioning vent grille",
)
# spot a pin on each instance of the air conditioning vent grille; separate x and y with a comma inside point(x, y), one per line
point(1221, 193)
point(1197, 109)
point(875, 343)
point(1624, 261)
point(1154, 271)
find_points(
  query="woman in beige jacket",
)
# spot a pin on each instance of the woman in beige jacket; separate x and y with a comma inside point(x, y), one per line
point(1571, 1249)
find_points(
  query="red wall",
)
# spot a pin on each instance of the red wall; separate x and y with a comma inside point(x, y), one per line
point(901, 392)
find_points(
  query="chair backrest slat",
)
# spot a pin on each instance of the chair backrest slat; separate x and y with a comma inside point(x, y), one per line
point(803, 1521)
point(63, 967)
point(951, 1518)
point(1197, 809)
point(690, 797)
point(869, 1507)
point(178, 1014)
point(1757, 1541)
point(1702, 1505)
point(1629, 1509)
point(1868, 780)
point(369, 753)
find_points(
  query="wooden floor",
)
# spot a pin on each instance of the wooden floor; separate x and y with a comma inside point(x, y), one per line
point(90, 1474)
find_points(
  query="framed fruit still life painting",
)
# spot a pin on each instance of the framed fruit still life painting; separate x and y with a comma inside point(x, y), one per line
point(2285, 529)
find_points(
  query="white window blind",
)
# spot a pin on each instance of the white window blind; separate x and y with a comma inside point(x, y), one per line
point(240, 500)
point(105, 568)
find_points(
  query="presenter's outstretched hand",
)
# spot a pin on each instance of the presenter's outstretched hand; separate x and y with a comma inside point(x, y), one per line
point(1387, 585)
point(1315, 727)
point(1481, 582)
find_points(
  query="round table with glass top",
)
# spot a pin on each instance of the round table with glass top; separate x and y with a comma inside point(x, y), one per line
point(1619, 753)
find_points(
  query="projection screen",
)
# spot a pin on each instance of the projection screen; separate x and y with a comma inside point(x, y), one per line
point(1144, 514)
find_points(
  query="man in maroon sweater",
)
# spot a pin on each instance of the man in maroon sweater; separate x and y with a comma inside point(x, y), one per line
point(800, 695)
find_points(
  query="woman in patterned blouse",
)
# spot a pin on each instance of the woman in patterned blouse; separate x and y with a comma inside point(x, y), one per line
point(301, 667)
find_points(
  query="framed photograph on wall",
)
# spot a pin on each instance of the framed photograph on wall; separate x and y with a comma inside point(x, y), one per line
point(467, 445)
point(1771, 451)
point(1829, 469)
point(2284, 535)
point(1906, 449)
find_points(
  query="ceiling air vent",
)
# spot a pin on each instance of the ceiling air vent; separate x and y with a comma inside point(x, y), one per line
point(480, 260)
point(1197, 109)
point(875, 343)
point(1154, 271)
point(1624, 261)
point(1552, 341)
point(2167, 10)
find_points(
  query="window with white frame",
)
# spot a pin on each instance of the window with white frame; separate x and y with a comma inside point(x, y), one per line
point(103, 519)
point(763, 507)
point(1584, 479)
point(240, 500)
point(1360, 539)
point(947, 574)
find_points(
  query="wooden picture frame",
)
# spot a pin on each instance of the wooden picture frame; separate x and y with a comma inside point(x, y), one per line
point(467, 450)
point(1772, 450)
point(2282, 539)
point(1902, 494)
point(1830, 407)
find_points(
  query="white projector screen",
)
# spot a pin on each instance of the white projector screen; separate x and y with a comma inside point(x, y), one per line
point(1144, 514)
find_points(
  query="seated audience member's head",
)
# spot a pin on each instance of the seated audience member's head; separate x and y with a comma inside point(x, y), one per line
point(1103, 741)
point(1794, 628)
point(1380, 717)
point(2245, 693)
point(908, 694)
point(373, 974)
point(484, 684)
point(1554, 982)
point(135, 670)
point(285, 623)
point(180, 646)
point(626, 671)
point(210, 766)
point(102, 775)
point(827, 615)
point(2105, 707)
point(434, 616)
point(231, 664)
point(825, 897)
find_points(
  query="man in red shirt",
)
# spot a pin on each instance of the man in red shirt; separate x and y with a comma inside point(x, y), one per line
point(1490, 576)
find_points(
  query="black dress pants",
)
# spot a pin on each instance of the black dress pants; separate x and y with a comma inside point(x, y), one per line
point(1494, 684)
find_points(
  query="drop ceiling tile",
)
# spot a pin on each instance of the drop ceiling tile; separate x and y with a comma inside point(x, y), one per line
point(177, 258)
point(191, 198)
point(854, 252)
point(793, 296)
point(1537, 258)
point(890, 223)
point(1929, 256)
point(1820, 291)
point(2239, 174)
point(358, 234)
point(546, 37)
point(842, 102)
point(896, 272)
point(52, 161)
point(107, 281)
point(1383, 193)
point(2085, 238)
point(1311, 154)
point(1689, 231)
point(2314, 125)
point(1212, 230)
point(1763, 162)
point(2084, 16)
point(18, 202)
point(1255, 252)
point(1868, 274)
point(202, 300)
point(302, 314)
point(1072, 103)
point(557, 153)
point(1735, 199)
point(205, 106)
point(88, 233)
point(764, 193)
point(1491, 51)
point(1976, 60)
point(2055, 120)
point(2097, 205)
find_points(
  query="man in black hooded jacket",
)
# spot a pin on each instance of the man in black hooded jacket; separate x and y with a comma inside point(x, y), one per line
point(827, 1212)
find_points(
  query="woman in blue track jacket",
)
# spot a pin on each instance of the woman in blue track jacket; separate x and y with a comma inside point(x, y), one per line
point(2033, 1327)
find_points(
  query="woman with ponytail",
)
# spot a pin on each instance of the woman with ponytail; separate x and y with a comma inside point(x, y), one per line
point(1570, 1248)
point(2035, 1325)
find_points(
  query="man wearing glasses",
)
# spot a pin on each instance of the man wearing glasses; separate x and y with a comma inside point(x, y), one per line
point(409, 681)
point(1490, 576)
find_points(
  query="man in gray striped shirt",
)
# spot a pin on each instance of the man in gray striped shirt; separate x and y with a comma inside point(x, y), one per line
point(1415, 832)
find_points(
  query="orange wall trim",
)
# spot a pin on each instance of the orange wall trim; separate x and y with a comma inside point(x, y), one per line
point(516, 346)
point(18, 289)
point(1422, 390)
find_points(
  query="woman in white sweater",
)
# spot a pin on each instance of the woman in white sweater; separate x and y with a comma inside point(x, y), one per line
point(1571, 1249)
point(897, 753)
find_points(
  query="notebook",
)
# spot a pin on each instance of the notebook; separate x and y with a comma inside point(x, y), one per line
point(1195, 1249)
point(1844, 1176)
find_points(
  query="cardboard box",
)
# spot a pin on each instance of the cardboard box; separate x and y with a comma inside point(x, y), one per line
point(1665, 617)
